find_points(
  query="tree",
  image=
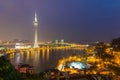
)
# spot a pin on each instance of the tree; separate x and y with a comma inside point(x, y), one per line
point(101, 53)
point(7, 71)
point(116, 44)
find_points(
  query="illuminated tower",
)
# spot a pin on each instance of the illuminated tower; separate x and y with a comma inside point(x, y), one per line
point(35, 22)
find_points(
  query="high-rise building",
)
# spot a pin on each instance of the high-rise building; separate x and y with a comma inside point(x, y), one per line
point(62, 41)
point(56, 41)
point(35, 22)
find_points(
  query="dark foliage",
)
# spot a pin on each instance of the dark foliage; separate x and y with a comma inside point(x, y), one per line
point(7, 71)
point(116, 44)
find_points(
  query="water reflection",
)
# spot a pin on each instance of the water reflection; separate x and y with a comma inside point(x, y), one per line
point(27, 56)
point(35, 59)
point(17, 58)
point(41, 59)
point(43, 53)
point(48, 53)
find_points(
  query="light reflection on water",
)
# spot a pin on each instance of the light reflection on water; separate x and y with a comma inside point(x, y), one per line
point(42, 59)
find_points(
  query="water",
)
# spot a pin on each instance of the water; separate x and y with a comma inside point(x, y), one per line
point(42, 59)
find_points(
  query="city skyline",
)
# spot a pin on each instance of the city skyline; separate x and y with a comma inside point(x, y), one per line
point(77, 21)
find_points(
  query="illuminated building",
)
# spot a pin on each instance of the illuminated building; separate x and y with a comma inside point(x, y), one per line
point(56, 41)
point(21, 46)
point(62, 41)
point(36, 34)
point(25, 68)
point(72, 64)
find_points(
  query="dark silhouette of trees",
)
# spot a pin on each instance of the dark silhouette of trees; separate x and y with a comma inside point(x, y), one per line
point(101, 53)
point(116, 44)
point(7, 71)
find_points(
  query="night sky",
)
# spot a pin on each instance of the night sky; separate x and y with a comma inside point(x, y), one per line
point(73, 20)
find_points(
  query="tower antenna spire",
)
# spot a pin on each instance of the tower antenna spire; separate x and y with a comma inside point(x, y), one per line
point(36, 20)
